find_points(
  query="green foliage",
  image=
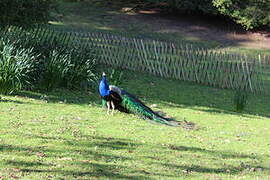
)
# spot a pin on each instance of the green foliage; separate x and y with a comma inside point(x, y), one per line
point(115, 77)
point(59, 64)
point(56, 68)
point(248, 13)
point(240, 100)
point(81, 72)
point(16, 66)
point(68, 69)
point(24, 12)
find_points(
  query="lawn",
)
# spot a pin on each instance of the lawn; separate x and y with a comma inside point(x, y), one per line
point(68, 135)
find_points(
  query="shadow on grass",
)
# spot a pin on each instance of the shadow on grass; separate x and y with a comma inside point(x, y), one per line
point(221, 154)
point(95, 156)
point(99, 170)
point(11, 101)
point(102, 167)
point(218, 109)
point(89, 163)
point(62, 96)
point(89, 142)
point(19, 163)
point(212, 103)
point(224, 170)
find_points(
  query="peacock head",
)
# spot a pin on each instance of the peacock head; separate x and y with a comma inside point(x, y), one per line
point(103, 74)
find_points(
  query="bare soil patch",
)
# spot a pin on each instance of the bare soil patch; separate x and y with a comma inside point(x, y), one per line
point(201, 28)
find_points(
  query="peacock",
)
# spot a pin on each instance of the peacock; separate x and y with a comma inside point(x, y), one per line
point(115, 98)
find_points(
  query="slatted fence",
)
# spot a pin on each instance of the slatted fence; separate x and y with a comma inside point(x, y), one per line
point(178, 61)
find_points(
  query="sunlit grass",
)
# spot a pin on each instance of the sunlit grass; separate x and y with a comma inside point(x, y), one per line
point(67, 135)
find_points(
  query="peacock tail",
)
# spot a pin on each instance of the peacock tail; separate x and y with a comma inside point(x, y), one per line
point(135, 106)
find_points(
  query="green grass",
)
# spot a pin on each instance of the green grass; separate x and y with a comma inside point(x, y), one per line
point(67, 135)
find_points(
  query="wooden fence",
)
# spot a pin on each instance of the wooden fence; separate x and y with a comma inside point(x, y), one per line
point(178, 61)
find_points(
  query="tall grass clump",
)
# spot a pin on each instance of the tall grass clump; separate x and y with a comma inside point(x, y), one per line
point(82, 70)
point(55, 68)
point(16, 66)
point(240, 100)
point(116, 77)
point(69, 69)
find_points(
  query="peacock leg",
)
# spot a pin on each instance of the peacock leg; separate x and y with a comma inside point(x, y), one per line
point(108, 107)
point(113, 107)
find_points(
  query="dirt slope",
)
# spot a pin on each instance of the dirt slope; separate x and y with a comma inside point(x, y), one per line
point(115, 16)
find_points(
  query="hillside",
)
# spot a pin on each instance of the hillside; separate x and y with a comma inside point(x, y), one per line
point(123, 17)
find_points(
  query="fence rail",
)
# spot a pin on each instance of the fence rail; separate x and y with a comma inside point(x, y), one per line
point(179, 61)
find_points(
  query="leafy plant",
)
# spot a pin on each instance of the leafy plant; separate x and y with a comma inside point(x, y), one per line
point(56, 68)
point(249, 13)
point(81, 73)
point(16, 66)
point(115, 77)
point(240, 100)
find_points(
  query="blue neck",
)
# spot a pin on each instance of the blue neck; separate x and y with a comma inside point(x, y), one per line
point(104, 87)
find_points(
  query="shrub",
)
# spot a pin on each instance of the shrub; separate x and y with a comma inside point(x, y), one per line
point(16, 66)
point(248, 13)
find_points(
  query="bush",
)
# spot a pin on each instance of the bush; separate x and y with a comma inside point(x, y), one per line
point(247, 13)
point(24, 12)
point(16, 66)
